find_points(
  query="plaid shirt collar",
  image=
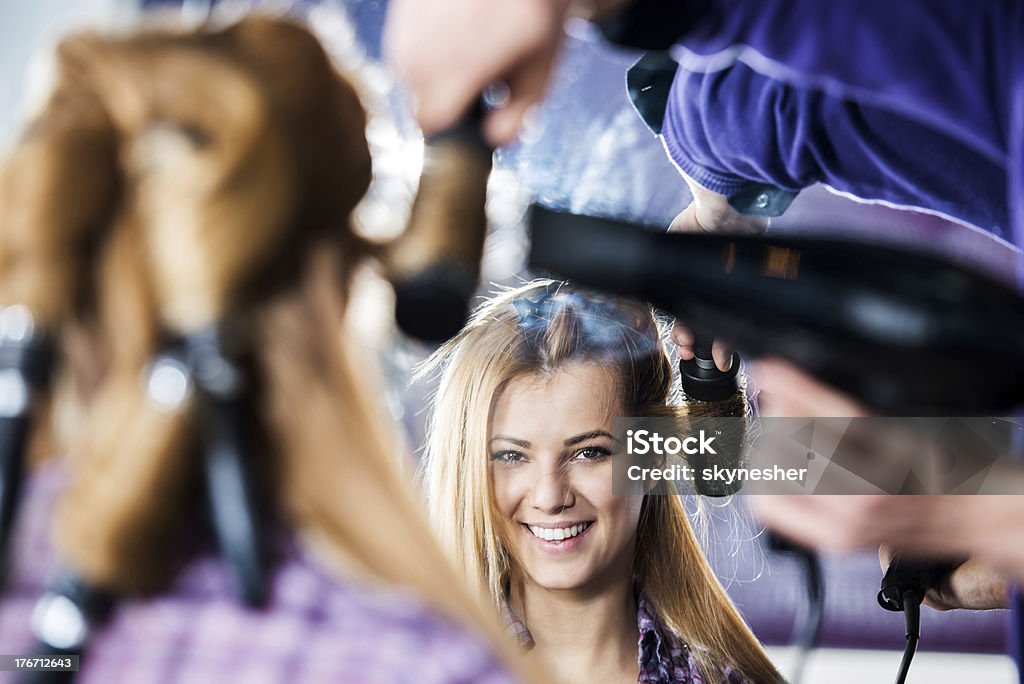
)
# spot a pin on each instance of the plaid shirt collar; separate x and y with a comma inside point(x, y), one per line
point(662, 656)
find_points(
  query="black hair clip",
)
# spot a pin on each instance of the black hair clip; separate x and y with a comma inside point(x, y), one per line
point(26, 361)
point(536, 310)
point(62, 621)
point(604, 327)
point(228, 459)
point(537, 313)
point(206, 360)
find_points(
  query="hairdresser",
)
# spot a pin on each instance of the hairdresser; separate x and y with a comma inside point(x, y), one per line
point(952, 69)
point(220, 499)
point(746, 144)
point(870, 153)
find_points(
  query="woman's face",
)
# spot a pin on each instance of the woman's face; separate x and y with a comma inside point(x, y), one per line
point(551, 450)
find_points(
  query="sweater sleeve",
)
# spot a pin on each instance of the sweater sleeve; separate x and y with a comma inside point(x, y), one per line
point(952, 64)
point(744, 135)
point(732, 128)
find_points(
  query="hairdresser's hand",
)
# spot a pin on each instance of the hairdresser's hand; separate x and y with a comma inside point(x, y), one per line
point(710, 212)
point(832, 523)
point(987, 529)
point(972, 586)
point(448, 51)
point(785, 391)
point(682, 337)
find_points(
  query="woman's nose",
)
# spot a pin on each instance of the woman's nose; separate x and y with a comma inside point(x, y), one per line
point(553, 491)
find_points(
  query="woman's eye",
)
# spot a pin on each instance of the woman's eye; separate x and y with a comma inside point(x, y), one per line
point(508, 457)
point(591, 454)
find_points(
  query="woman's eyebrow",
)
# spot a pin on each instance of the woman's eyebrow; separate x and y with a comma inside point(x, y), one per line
point(518, 442)
point(582, 437)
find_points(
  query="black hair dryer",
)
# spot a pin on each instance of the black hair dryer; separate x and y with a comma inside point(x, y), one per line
point(905, 333)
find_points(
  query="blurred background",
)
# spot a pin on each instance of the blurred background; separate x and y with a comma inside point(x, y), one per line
point(586, 150)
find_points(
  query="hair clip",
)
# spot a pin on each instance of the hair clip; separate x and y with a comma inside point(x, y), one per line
point(228, 459)
point(603, 326)
point(63, 619)
point(538, 309)
point(202, 363)
point(537, 313)
point(26, 361)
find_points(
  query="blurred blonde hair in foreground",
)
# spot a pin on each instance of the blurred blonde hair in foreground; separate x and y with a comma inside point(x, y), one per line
point(179, 181)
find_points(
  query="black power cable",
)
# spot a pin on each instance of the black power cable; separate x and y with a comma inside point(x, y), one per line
point(912, 619)
point(904, 585)
point(808, 621)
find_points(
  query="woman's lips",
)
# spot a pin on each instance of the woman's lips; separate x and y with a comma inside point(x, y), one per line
point(572, 535)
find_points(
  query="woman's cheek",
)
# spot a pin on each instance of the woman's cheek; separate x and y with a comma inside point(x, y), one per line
point(594, 483)
point(511, 487)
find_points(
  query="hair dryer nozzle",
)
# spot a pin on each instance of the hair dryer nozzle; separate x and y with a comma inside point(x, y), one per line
point(434, 304)
point(576, 247)
point(435, 265)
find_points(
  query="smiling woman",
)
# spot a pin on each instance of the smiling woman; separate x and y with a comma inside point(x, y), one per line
point(597, 586)
point(552, 482)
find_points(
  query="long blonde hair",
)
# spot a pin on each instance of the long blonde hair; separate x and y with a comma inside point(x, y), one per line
point(176, 181)
point(537, 328)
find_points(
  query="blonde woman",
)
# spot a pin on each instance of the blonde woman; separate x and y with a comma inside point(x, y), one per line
point(599, 587)
point(177, 223)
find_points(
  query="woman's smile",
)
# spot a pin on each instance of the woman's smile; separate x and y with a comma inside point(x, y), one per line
point(559, 538)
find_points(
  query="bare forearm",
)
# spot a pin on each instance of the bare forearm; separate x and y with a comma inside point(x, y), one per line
point(995, 525)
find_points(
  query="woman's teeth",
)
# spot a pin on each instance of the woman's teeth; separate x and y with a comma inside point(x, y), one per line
point(559, 533)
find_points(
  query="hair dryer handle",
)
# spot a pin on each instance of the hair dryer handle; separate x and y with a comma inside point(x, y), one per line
point(912, 575)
